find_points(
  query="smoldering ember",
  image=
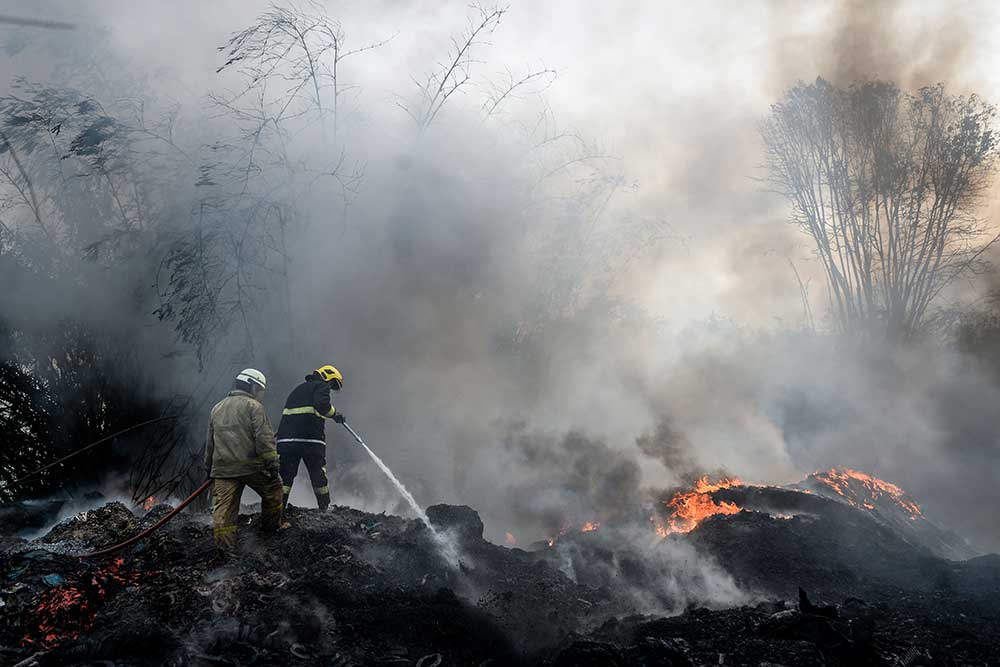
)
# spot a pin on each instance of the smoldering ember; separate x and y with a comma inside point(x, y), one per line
point(566, 334)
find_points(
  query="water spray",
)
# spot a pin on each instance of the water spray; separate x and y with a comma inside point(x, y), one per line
point(447, 548)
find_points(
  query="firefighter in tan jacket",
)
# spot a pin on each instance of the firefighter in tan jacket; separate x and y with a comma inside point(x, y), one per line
point(240, 452)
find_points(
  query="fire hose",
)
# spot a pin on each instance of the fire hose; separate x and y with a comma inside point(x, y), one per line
point(91, 446)
point(208, 482)
point(187, 501)
point(170, 515)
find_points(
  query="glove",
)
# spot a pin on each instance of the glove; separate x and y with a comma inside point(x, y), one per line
point(275, 471)
point(339, 417)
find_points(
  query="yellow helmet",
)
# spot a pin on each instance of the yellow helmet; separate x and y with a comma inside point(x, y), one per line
point(330, 374)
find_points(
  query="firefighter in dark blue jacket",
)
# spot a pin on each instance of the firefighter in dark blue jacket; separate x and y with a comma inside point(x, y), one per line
point(302, 432)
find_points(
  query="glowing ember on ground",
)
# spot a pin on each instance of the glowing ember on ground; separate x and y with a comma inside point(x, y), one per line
point(68, 610)
point(510, 539)
point(566, 527)
point(148, 504)
point(862, 490)
point(689, 508)
point(587, 527)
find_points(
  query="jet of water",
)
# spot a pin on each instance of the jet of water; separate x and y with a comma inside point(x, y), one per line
point(448, 549)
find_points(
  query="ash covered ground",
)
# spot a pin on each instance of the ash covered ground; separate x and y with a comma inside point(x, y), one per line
point(346, 587)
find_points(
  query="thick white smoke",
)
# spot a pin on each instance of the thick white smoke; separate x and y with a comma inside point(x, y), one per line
point(510, 327)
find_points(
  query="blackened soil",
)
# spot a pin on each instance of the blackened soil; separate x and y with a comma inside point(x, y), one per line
point(346, 587)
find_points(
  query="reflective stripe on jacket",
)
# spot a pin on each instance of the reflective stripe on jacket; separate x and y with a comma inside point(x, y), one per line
point(240, 439)
point(305, 409)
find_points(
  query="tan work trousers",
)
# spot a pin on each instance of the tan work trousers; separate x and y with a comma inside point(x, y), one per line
point(226, 494)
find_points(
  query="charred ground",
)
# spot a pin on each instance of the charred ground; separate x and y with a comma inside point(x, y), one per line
point(349, 587)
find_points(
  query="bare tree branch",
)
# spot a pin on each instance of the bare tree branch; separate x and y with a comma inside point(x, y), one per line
point(450, 77)
point(533, 83)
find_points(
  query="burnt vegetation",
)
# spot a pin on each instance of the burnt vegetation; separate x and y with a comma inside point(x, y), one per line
point(155, 246)
point(825, 582)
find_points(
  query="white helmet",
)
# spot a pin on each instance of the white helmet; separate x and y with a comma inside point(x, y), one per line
point(252, 376)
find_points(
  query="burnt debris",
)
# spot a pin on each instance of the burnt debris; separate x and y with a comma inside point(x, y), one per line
point(346, 587)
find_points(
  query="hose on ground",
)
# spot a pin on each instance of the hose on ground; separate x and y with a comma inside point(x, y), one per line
point(135, 538)
point(91, 446)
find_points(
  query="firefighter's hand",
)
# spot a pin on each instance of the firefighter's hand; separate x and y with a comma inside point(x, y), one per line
point(275, 472)
point(339, 417)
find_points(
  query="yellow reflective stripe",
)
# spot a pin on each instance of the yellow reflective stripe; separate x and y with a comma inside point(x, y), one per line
point(267, 456)
point(315, 442)
point(286, 489)
point(309, 411)
point(322, 490)
point(301, 411)
point(224, 530)
point(271, 507)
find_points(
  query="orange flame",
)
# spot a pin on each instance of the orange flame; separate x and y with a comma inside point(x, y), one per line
point(566, 527)
point(148, 505)
point(511, 540)
point(690, 508)
point(587, 527)
point(860, 489)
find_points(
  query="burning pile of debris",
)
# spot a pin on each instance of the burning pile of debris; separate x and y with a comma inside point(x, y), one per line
point(714, 580)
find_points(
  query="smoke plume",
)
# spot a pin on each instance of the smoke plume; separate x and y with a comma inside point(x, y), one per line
point(552, 312)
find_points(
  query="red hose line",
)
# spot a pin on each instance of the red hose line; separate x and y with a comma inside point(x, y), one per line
point(135, 538)
point(91, 445)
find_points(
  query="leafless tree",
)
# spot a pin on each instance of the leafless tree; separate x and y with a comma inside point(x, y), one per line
point(287, 70)
point(887, 185)
point(298, 51)
point(449, 77)
point(577, 186)
point(808, 321)
point(507, 88)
